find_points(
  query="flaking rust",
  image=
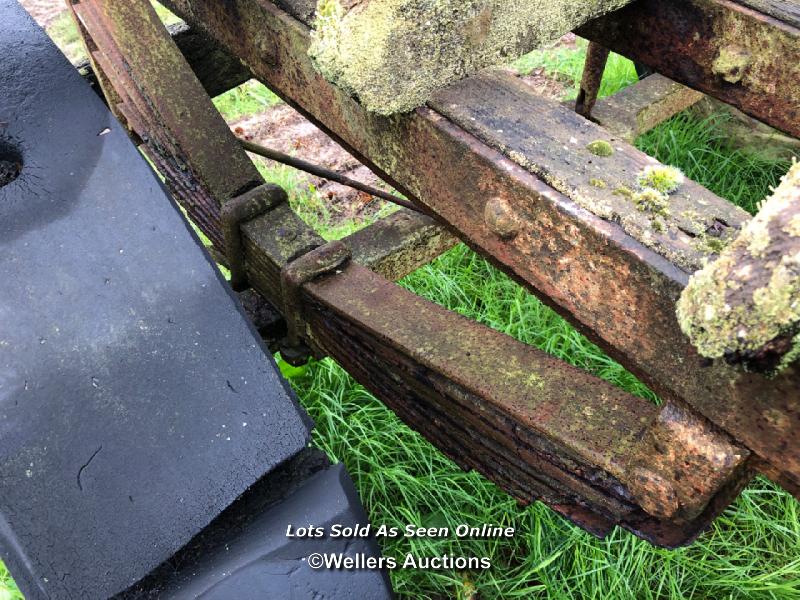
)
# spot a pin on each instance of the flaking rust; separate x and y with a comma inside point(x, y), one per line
point(745, 306)
point(393, 54)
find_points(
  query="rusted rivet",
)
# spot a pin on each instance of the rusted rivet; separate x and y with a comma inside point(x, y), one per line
point(501, 218)
point(731, 63)
point(654, 493)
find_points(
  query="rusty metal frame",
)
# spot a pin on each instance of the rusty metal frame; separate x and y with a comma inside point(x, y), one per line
point(591, 451)
point(735, 53)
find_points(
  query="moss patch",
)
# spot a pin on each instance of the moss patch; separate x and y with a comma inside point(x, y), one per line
point(600, 148)
point(750, 296)
point(663, 178)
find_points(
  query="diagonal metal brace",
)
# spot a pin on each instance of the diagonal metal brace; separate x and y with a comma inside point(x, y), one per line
point(237, 211)
point(321, 261)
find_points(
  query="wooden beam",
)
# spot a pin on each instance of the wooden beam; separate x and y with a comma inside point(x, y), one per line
point(393, 54)
point(642, 106)
point(745, 306)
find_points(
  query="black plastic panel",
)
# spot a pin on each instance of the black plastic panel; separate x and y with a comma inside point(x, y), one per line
point(136, 401)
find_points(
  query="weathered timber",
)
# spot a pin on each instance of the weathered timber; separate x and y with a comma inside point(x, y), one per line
point(746, 133)
point(787, 11)
point(639, 108)
point(283, 257)
point(617, 291)
point(746, 304)
point(558, 145)
point(743, 57)
point(393, 54)
point(399, 244)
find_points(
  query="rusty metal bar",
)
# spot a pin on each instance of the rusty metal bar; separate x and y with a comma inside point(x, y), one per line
point(192, 165)
point(488, 401)
point(593, 68)
point(320, 171)
point(743, 57)
point(611, 286)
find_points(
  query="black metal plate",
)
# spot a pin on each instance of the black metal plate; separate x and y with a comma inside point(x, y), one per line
point(255, 560)
point(136, 402)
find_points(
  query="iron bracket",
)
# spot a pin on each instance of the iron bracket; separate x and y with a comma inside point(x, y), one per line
point(239, 210)
point(321, 261)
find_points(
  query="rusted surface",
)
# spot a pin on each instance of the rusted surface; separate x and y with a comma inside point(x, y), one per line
point(538, 427)
point(677, 462)
point(743, 57)
point(330, 258)
point(237, 211)
point(392, 247)
point(156, 92)
point(614, 289)
point(590, 166)
point(642, 106)
point(217, 70)
point(593, 68)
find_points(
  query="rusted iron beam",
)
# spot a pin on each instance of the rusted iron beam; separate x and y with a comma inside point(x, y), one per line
point(642, 106)
point(611, 286)
point(195, 172)
point(392, 247)
point(519, 416)
point(741, 56)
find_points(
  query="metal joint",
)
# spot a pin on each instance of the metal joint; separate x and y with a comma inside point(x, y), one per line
point(316, 263)
point(237, 211)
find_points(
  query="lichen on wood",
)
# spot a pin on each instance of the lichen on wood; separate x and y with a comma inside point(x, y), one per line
point(393, 54)
point(745, 306)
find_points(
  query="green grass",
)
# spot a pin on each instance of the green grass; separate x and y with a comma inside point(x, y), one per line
point(697, 146)
point(752, 551)
point(566, 65)
point(247, 99)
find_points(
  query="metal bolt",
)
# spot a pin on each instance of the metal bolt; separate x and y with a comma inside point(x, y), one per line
point(501, 218)
point(731, 63)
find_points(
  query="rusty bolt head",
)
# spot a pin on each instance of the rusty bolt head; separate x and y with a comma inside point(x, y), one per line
point(731, 63)
point(501, 218)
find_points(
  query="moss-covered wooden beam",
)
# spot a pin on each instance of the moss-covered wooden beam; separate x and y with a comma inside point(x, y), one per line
point(745, 306)
point(393, 54)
